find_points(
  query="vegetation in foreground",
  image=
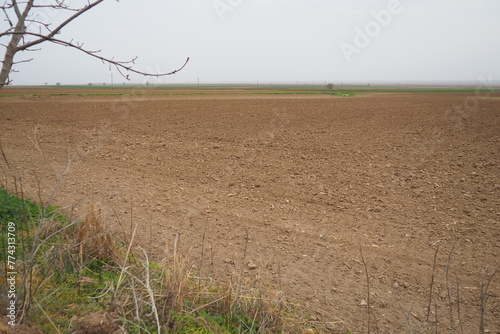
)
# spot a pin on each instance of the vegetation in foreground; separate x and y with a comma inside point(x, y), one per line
point(73, 277)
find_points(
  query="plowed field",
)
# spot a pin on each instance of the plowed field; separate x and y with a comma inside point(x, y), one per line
point(289, 189)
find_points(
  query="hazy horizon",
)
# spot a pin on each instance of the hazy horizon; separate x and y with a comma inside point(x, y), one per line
point(293, 42)
point(437, 84)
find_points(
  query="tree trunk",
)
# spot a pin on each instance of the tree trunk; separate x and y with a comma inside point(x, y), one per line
point(8, 60)
point(12, 47)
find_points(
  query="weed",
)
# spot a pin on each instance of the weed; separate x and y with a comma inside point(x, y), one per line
point(71, 269)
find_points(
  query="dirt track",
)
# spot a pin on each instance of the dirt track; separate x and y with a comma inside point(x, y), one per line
point(311, 178)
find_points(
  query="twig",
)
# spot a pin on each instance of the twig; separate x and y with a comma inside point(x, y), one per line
point(436, 314)
point(246, 244)
point(4, 156)
point(147, 285)
point(448, 287)
point(118, 219)
point(458, 305)
point(483, 296)
point(432, 284)
point(46, 315)
point(368, 301)
point(120, 279)
point(202, 250)
point(240, 283)
point(176, 241)
point(212, 256)
point(133, 323)
point(136, 303)
point(119, 65)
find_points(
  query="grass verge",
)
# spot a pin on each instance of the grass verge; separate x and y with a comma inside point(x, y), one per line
point(74, 277)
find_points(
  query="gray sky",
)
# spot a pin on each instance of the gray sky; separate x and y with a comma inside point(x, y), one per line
point(280, 41)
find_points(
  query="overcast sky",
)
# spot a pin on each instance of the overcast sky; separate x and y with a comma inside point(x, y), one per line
point(279, 41)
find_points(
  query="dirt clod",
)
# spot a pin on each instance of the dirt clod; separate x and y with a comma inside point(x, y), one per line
point(18, 329)
point(99, 322)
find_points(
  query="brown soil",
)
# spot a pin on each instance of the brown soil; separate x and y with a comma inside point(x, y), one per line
point(98, 323)
point(310, 179)
point(19, 329)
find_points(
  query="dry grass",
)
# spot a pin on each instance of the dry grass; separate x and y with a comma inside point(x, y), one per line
point(174, 298)
point(80, 262)
point(169, 296)
point(91, 239)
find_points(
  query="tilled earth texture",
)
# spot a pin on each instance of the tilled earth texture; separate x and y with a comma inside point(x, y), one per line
point(308, 193)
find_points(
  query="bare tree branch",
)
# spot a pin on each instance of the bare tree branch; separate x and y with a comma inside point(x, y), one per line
point(7, 17)
point(26, 20)
point(23, 61)
point(62, 25)
point(120, 65)
point(16, 9)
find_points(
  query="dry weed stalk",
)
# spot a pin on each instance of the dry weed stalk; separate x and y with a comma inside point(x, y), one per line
point(92, 240)
point(147, 285)
point(32, 245)
point(368, 299)
point(147, 293)
point(52, 239)
point(459, 313)
point(170, 293)
point(448, 289)
point(484, 285)
point(455, 317)
point(432, 285)
point(125, 259)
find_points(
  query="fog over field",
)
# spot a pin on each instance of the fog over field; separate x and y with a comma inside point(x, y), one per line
point(258, 41)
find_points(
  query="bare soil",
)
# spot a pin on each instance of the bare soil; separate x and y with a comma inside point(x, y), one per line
point(289, 190)
point(98, 323)
point(19, 329)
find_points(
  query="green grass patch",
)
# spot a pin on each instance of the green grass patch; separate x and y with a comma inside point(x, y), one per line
point(54, 281)
point(344, 93)
point(202, 322)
